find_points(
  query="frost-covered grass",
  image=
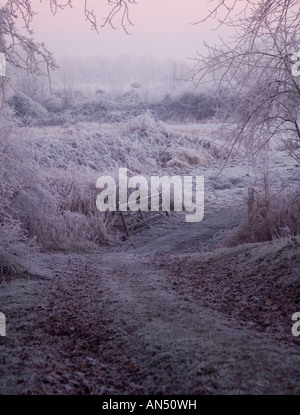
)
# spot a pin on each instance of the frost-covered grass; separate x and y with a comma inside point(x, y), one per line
point(49, 173)
point(142, 144)
point(49, 176)
point(15, 175)
point(270, 216)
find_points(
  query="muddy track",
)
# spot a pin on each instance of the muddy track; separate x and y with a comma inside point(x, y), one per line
point(183, 348)
point(111, 322)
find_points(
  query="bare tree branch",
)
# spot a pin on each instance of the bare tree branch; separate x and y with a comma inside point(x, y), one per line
point(19, 47)
point(256, 67)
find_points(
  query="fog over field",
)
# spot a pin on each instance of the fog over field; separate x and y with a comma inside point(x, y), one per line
point(112, 116)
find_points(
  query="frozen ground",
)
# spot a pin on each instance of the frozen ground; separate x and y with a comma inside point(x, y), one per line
point(167, 311)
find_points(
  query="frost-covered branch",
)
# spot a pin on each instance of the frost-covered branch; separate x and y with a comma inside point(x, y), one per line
point(17, 43)
point(256, 67)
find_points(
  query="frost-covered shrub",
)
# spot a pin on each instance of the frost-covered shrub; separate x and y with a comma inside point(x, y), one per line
point(81, 223)
point(184, 107)
point(99, 91)
point(142, 123)
point(28, 110)
point(59, 211)
point(136, 85)
point(54, 105)
point(113, 117)
point(268, 217)
point(14, 245)
point(93, 111)
point(130, 97)
point(13, 242)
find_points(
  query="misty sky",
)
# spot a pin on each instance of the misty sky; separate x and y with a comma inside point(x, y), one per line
point(162, 28)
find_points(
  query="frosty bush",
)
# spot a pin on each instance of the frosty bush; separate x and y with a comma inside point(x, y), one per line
point(59, 211)
point(13, 246)
point(42, 205)
point(142, 123)
point(28, 110)
point(268, 217)
point(13, 241)
point(80, 223)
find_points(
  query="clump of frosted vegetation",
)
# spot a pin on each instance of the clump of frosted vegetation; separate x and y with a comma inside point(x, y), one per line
point(29, 111)
point(13, 172)
point(269, 216)
point(139, 143)
point(49, 174)
point(142, 123)
point(43, 207)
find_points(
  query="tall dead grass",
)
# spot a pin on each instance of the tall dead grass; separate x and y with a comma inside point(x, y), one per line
point(48, 178)
point(43, 208)
point(269, 216)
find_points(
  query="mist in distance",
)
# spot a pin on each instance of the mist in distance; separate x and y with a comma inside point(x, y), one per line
point(160, 29)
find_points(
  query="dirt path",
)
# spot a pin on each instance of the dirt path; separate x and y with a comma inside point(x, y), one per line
point(117, 320)
point(112, 322)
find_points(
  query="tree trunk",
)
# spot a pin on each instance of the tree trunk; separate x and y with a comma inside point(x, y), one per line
point(2, 60)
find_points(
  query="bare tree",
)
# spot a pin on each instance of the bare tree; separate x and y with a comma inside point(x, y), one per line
point(21, 51)
point(258, 66)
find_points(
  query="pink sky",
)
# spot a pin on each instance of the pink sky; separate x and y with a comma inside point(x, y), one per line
point(161, 28)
